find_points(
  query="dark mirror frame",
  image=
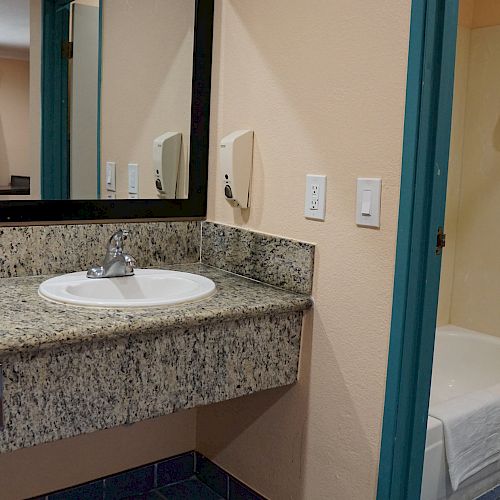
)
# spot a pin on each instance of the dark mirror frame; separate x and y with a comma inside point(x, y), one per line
point(195, 207)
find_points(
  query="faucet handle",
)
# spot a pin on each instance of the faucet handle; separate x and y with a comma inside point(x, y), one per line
point(130, 264)
point(117, 240)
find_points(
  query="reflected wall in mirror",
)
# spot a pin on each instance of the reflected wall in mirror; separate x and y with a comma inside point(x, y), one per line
point(15, 161)
point(95, 99)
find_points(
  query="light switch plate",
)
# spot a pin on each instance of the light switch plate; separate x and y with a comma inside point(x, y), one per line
point(110, 176)
point(133, 178)
point(315, 204)
point(368, 202)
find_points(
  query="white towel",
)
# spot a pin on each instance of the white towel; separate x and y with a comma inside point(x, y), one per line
point(471, 432)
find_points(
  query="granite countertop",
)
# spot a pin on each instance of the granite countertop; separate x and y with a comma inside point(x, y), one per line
point(29, 322)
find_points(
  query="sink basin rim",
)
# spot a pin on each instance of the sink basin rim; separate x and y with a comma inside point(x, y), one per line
point(56, 289)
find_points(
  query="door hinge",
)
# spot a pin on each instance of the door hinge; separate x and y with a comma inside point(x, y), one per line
point(67, 50)
point(441, 241)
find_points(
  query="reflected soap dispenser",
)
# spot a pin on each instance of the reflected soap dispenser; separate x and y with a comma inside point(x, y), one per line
point(236, 157)
point(166, 161)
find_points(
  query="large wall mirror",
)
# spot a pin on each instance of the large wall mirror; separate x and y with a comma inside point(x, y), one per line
point(104, 108)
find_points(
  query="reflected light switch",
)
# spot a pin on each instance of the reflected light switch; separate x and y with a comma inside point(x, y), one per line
point(133, 178)
point(110, 176)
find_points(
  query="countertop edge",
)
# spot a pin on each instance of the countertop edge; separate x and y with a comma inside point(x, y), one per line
point(152, 325)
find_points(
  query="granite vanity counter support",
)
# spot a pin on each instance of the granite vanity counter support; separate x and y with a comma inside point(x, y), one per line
point(69, 371)
point(81, 388)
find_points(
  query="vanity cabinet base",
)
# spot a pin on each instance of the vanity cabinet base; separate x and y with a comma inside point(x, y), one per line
point(80, 388)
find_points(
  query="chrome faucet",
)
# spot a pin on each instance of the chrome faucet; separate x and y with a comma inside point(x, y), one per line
point(116, 262)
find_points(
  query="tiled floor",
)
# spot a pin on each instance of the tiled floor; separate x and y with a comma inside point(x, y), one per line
point(192, 489)
point(189, 476)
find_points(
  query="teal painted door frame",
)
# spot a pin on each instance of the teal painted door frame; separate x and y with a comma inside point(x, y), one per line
point(426, 143)
point(55, 136)
point(54, 171)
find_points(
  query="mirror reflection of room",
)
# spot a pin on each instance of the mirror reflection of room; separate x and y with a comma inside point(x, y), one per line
point(91, 106)
point(462, 456)
point(147, 57)
point(15, 167)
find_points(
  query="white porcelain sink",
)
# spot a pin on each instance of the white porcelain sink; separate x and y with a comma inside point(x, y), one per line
point(147, 288)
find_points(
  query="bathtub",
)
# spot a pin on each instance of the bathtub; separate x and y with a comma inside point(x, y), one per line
point(464, 361)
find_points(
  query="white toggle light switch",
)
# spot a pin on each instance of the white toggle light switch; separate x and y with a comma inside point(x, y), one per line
point(368, 202)
point(110, 176)
point(133, 178)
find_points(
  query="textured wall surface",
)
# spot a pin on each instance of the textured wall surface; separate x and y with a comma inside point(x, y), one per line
point(14, 119)
point(454, 174)
point(476, 284)
point(322, 84)
point(147, 62)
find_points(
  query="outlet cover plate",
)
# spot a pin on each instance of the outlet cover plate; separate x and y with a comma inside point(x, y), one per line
point(315, 204)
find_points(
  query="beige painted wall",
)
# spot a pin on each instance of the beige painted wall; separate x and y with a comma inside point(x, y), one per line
point(486, 13)
point(94, 3)
point(454, 174)
point(323, 86)
point(14, 119)
point(466, 13)
point(479, 13)
point(147, 56)
point(72, 461)
point(476, 287)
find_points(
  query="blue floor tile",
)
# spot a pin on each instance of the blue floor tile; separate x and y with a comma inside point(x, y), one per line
point(89, 491)
point(212, 475)
point(152, 495)
point(238, 491)
point(175, 469)
point(192, 489)
point(130, 483)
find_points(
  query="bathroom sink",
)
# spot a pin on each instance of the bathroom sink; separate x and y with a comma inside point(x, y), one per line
point(146, 288)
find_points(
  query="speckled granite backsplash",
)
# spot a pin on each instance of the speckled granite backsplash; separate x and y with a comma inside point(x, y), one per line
point(36, 250)
point(58, 249)
point(277, 261)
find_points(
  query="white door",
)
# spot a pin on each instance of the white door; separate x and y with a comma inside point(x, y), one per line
point(84, 109)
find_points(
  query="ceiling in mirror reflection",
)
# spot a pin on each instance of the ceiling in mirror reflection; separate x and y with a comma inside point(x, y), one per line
point(137, 56)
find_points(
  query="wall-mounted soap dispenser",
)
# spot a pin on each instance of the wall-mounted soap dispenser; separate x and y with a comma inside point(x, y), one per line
point(166, 163)
point(236, 156)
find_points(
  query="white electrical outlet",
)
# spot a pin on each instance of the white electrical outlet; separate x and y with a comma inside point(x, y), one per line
point(315, 206)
